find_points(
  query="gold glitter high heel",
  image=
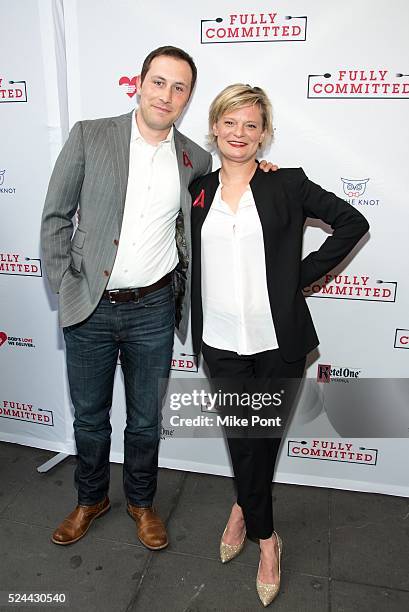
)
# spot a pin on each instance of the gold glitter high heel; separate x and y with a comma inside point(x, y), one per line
point(230, 551)
point(268, 592)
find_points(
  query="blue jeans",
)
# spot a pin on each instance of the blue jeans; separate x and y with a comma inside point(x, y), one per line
point(143, 333)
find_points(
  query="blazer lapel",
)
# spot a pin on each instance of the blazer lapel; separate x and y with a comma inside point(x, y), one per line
point(202, 199)
point(119, 135)
point(183, 156)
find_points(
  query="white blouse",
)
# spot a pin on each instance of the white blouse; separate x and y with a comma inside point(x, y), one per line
point(236, 308)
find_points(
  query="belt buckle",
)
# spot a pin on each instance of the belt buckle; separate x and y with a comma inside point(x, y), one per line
point(136, 297)
point(110, 297)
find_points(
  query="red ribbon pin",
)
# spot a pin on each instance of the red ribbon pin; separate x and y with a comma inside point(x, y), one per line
point(200, 199)
point(186, 160)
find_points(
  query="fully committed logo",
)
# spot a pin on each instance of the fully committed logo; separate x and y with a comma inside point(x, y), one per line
point(375, 83)
point(327, 373)
point(12, 91)
point(353, 287)
point(328, 450)
point(129, 85)
point(18, 265)
point(5, 189)
point(22, 411)
point(15, 341)
point(253, 27)
point(184, 362)
point(401, 339)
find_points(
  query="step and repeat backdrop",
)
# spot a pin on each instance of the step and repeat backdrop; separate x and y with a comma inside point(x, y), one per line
point(339, 83)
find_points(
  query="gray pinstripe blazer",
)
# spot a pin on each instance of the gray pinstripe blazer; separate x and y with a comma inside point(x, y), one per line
point(91, 173)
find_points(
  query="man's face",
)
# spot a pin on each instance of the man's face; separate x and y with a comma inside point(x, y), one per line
point(164, 92)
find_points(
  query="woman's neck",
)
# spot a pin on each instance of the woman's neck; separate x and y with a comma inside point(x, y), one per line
point(233, 172)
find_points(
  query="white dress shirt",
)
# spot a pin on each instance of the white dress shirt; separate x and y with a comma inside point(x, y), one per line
point(236, 308)
point(147, 247)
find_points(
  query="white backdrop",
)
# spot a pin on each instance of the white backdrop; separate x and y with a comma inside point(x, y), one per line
point(340, 98)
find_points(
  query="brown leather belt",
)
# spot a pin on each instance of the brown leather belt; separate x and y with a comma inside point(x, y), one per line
point(133, 295)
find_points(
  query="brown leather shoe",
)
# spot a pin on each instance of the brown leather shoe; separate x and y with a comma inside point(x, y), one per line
point(76, 524)
point(149, 527)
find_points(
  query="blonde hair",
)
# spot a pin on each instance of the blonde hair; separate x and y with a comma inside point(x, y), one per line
point(236, 96)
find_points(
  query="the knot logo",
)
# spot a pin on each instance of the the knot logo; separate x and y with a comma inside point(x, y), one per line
point(354, 188)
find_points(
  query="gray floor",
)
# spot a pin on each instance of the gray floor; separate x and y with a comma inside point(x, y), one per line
point(342, 551)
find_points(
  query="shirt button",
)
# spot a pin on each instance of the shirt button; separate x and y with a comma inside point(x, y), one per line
point(116, 242)
point(106, 273)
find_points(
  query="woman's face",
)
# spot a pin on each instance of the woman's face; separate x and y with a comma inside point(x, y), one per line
point(239, 133)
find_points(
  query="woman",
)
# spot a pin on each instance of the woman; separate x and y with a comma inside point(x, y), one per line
point(249, 316)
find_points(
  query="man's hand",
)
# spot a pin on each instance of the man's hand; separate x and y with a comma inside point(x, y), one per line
point(268, 166)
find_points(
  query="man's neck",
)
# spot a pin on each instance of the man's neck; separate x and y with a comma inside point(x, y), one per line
point(153, 137)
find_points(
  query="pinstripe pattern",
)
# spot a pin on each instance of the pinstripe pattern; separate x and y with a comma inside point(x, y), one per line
point(91, 173)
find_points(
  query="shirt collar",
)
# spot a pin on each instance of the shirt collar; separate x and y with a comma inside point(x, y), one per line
point(137, 136)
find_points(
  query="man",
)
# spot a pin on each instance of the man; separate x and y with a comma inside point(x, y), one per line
point(119, 278)
point(129, 175)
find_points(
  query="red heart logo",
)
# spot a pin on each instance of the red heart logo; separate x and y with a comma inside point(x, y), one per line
point(3, 338)
point(130, 83)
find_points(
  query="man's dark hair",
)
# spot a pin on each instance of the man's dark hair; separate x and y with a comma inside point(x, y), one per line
point(169, 51)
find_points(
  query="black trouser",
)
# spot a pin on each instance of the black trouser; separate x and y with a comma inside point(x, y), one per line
point(253, 458)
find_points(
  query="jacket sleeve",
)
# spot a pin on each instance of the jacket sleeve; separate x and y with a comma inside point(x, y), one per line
point(60, 206)
point(209, 165)
point(348, 225)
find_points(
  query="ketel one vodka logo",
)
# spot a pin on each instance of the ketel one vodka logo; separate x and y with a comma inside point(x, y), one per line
point(327, 373)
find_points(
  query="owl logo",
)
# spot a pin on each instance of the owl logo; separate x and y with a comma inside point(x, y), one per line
point(354, 188)
point(2, 176)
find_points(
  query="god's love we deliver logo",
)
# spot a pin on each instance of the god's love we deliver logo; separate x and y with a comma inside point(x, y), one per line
point(129, 84)
point(246, 27)
point(15, 341)
point(375, 83)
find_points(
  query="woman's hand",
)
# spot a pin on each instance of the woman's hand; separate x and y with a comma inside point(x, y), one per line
point(266, 166)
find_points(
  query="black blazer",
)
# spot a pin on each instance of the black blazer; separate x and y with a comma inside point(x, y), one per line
point(284, 199)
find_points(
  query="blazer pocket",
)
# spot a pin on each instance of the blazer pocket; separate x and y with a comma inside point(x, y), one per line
point(76, 261)
point(79, 238)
